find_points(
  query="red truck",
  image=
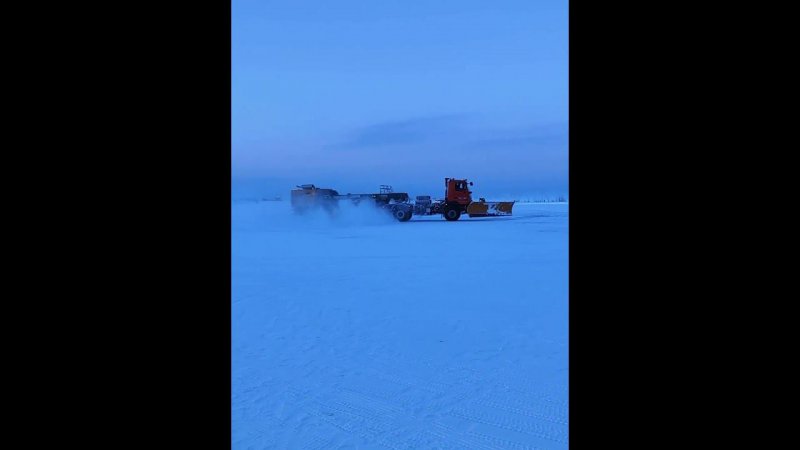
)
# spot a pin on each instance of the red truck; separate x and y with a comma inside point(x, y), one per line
point(458, 200)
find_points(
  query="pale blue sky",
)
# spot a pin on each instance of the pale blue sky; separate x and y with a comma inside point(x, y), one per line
point(353, 94)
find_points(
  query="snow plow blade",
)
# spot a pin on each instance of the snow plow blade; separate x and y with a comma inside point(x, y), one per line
point(489, 209)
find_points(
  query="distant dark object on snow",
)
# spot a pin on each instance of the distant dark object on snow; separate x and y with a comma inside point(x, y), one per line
point(559, 199)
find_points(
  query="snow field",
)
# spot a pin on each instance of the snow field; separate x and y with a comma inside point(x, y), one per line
point(361, 332)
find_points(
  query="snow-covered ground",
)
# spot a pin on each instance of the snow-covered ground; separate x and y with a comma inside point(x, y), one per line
point(366, 333)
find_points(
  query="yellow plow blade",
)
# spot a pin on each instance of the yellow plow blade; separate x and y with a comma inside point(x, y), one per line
point(489, 209)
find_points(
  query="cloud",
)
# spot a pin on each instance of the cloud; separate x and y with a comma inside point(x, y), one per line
point(455, 132)
point(411, 131)
point(555, 136)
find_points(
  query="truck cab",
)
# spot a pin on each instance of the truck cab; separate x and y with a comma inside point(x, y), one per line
point(457, 191)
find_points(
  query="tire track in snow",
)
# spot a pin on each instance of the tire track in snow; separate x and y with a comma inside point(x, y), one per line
point(357, 416)
point(522, 409)
point(504, 443)
point(512, 424)
point(532, 388)
point(393, 426)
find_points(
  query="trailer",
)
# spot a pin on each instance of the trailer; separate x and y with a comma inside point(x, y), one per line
point(308, 196)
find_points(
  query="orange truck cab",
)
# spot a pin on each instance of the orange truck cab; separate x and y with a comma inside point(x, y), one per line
point(457, 197)
point(457, 191)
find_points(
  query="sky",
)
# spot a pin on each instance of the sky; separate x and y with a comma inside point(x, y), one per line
point(352, 94)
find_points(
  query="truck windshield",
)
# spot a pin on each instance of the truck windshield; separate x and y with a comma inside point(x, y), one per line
point(461, 186)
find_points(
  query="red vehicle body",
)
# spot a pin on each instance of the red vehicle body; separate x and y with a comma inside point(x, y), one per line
point(457, 191)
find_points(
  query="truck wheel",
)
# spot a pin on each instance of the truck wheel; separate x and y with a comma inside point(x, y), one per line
point(402, 215)
point(452, 214)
